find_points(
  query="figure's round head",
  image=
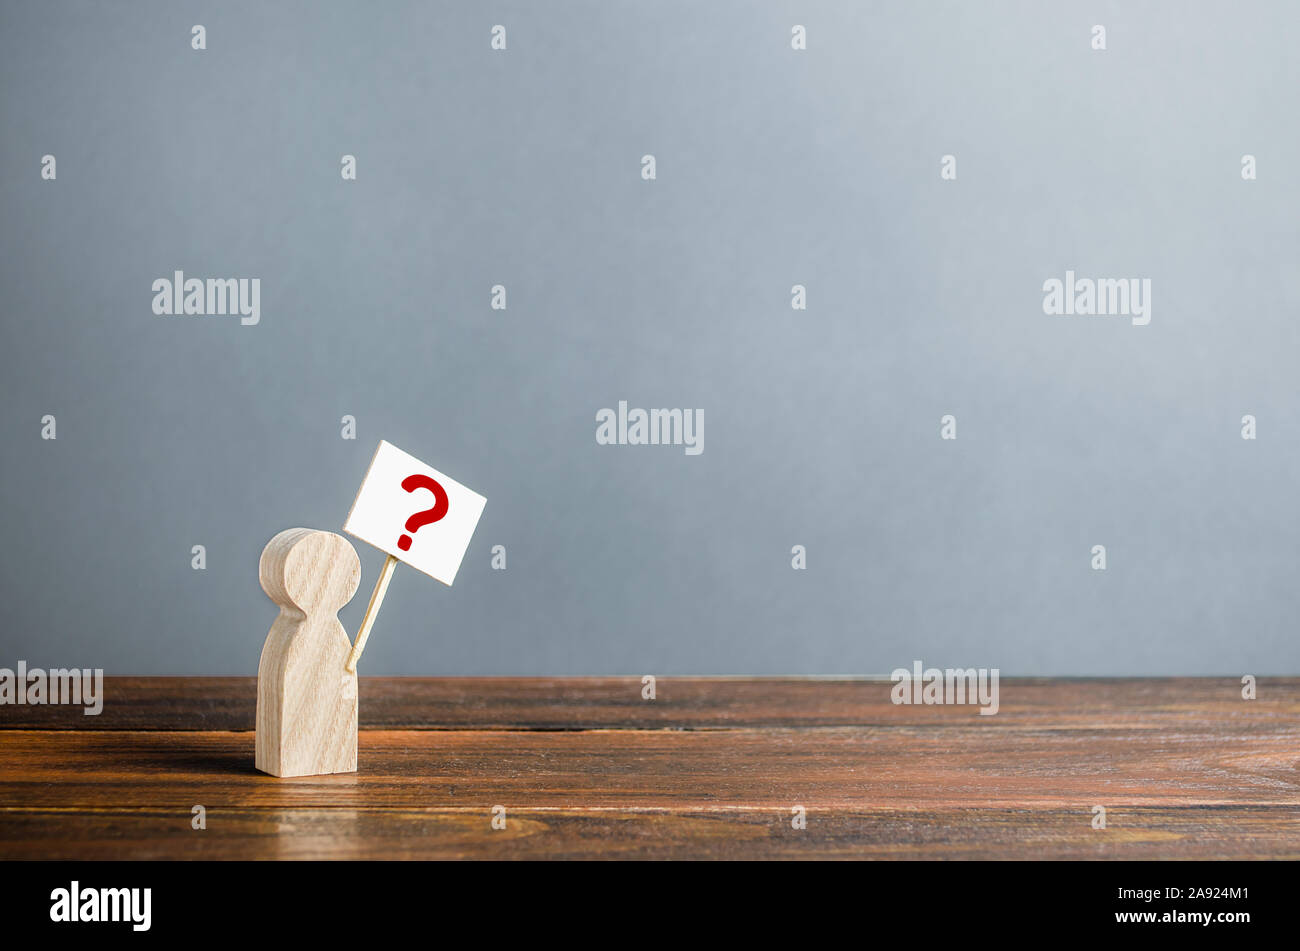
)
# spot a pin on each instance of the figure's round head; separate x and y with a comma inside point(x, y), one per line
point(310, 570)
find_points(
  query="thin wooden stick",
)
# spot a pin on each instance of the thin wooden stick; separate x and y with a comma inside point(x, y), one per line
point(376, 599)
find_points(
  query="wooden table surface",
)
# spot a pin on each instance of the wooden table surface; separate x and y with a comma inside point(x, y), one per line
point(584, 767)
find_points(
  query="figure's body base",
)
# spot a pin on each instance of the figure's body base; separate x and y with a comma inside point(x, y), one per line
point(306, 698)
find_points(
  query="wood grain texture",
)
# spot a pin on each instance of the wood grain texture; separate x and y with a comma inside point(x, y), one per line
point(588, 703)
point(306, 698)
point(711, 768)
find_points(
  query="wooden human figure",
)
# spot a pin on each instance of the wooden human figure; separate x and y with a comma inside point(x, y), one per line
point(306, 698)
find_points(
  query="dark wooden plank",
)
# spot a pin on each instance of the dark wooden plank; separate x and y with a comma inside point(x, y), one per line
point(240, 832)
point(832, 768)
point(544, 703)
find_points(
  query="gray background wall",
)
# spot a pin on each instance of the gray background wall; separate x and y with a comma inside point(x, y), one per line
point(775, 167)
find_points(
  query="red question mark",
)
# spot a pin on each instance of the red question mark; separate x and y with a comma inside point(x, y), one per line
point(428, 516)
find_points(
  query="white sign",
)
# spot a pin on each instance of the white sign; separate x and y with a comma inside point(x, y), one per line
point(415, 513)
